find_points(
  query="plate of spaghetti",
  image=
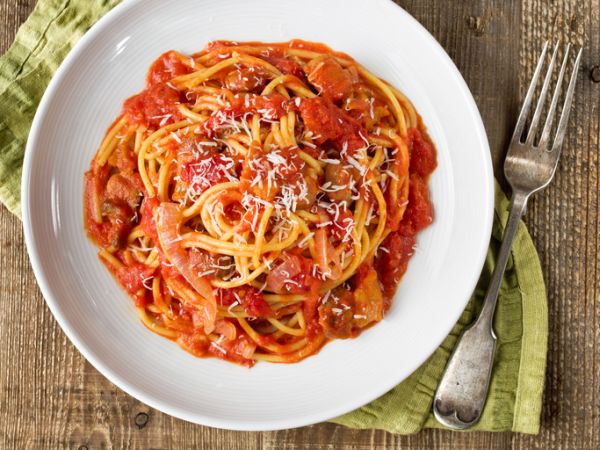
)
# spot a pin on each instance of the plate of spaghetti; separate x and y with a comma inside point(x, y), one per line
point(247, 216)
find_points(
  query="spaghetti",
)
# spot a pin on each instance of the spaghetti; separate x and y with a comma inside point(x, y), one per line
point(258, 200)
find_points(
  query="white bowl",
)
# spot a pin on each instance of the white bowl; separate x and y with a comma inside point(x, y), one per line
point(108, 65)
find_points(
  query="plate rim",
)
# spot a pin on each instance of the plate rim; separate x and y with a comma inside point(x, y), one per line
point(116, 378)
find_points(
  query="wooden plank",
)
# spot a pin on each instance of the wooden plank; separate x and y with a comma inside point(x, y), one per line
point(50, 397)
point(564, 223)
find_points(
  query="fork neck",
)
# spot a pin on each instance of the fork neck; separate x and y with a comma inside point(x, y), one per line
point(517, 209)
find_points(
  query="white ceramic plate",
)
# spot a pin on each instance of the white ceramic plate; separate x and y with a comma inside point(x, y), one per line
point(108, 65)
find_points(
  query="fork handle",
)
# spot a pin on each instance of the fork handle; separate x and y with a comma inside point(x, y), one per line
point(461, 394)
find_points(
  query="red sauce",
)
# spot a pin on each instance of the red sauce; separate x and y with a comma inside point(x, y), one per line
point(311, 316)
point(165, 68)
point(195, 343)
point(399, 246)
point(233, 351)
point(157, 104)
point(134, 278)
point(419, 212)
point(154, 106)
point(124, 160)
point(147, 223)
point(330, 123)
point(246, 79)
point(423, 160)
point(393, 262)
point(251, 299)
point(287, 66)
point(204, 173)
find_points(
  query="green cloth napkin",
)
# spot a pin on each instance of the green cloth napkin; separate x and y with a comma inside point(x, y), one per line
point(521, 321)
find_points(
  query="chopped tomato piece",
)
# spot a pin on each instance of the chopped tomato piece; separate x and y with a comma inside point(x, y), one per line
point(225, 297)
point(419, 211)
point(329, 123)
point(392, 261)
point(254, 303)
point(206, 172)
point(134, 278)
point(329, 77)
point(287, 66)
point(147, 222)
point(196, 343)
point(155, 106)
point(166, 67)
point(251, 299)
point(422, 154)
point(272, 106)
point(311, 315)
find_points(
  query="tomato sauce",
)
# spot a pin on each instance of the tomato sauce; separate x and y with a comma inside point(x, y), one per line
point(165, 68)
point(251, 299)
point(156, 105)
point(148, 223)
point(330, 123)
point(287, 66)
point(153, 107)
point(423, 159)
point(204, 173)
point(399, 246)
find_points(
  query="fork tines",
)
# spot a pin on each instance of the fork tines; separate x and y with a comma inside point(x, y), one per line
point(529, 138)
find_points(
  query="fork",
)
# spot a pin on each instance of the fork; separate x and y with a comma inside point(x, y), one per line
point(529, 167)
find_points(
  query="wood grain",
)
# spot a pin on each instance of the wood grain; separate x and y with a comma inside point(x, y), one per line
point(50, 397)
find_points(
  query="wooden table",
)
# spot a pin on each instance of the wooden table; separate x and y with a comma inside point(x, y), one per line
point(50, 397)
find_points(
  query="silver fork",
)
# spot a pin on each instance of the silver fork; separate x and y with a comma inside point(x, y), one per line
point(529, 167)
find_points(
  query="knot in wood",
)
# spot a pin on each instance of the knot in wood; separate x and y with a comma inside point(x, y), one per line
point(595, 74)
point(141, 419)
point(476, 24)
